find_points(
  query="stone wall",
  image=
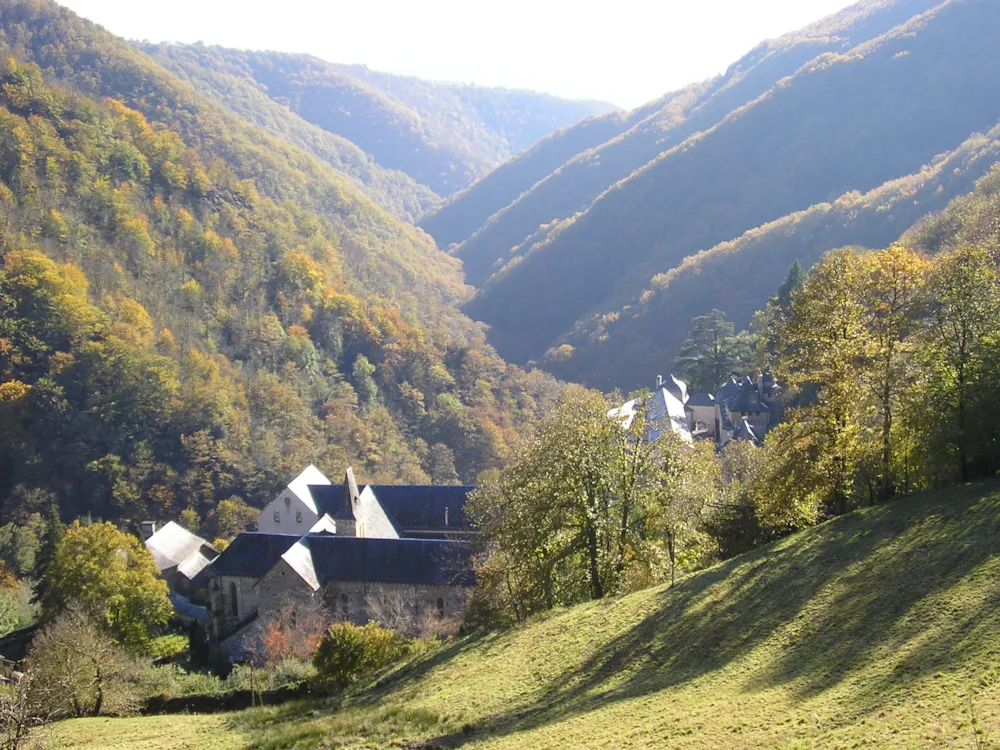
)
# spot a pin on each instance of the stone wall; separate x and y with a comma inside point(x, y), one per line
point(413, 609)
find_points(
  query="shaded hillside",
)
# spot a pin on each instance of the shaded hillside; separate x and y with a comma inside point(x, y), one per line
point(651, 130)
point(467, 210)
point(844, 122)
point(205, 68)
point(192, 309)
point(442, 135)
point(736, 276)
point(876, 629)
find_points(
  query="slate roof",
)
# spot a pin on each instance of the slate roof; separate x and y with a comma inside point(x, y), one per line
point(417, 507)
point(321, 558)
point(332, 500)
point(422, 507)
point(748, 399)
point(173, 546)
point(701, 399)
point(253, 553)
point(744, 431)
point(302, 485)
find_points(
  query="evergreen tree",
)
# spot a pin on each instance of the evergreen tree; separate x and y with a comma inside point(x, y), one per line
point(713, 352)
point(55, 529)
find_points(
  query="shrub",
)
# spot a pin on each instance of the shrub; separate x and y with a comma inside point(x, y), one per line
point(168, 646)
point(348, 652)
point(79, 670)
point(173, 680)
point(287, 672)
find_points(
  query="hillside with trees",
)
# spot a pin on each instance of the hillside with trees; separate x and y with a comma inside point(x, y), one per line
point(866, 98)
point(511, 203)
point(193, 310)
point(616, 348)
point(441, 135)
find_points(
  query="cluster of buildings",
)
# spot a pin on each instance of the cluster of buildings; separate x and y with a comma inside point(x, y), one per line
point(337, 548)
point(347, 550)
point(738, 410)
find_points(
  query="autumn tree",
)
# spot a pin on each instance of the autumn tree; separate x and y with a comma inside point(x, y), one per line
point(962, 297)
point(78, 669)
point(111, 575)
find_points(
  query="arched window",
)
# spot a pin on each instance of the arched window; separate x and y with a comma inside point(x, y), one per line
point(345, 608)
point(298, 516)
point(277, 515)
point(234, 606)
point(440, 608)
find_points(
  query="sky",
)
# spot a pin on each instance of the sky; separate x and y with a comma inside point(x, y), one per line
point(626, 52)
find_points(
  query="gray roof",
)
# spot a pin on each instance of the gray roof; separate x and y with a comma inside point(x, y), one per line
point(748, 399)
point(701, 399)
point(252, 554)
point(416, 507)
point(332, 500)
point(744, 431)
point(173, 546)
point(411, 561)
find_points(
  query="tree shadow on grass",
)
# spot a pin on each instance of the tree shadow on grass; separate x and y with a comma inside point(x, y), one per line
point(826, 599)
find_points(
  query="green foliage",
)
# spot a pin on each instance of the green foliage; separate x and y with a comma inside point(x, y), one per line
point(441, 135)
point(348, 652)
point(872, 630)
point(712, 353)
point(167, 646)
point(586, 509)
point(183, 300)
point(175, 680)
point(79, 670)
point(113, 576)
point(582, 256)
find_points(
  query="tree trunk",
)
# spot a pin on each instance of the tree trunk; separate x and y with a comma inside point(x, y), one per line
point(596, 589)
point(963, 453)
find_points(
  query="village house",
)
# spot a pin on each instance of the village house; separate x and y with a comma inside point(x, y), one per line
point(351, 552)
point(182, 559)
point(738, 410)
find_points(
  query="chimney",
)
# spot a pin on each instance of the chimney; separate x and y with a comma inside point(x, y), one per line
point(147, 529)
point(659, 381)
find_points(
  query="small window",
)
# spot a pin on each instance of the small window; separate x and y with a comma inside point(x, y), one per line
point(298, 516)
point(288, 501)
point(440, 608)
point(291, 619)
point(345, 608)
point(277, 515)
point(234, 605)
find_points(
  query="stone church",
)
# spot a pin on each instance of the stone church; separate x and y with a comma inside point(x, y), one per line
point(349, 552)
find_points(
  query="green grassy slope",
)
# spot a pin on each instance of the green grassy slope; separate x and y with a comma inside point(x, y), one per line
point(878, 629)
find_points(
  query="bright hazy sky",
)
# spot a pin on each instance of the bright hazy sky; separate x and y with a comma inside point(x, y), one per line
point(626, 52)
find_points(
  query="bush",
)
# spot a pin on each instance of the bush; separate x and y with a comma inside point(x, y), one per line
point(174, 680)
point(348, 652)
point(285, 673)
point(168, 646)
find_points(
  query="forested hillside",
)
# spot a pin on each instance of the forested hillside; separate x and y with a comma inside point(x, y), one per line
point(736, 275)
point(523, 199)
point(205, 68)
point(442, 135)
point(598, 267)
point(192, 310)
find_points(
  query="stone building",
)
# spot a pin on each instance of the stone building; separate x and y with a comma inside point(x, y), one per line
point(398, 553)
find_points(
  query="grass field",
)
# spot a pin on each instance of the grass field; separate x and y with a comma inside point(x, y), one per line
point(879, 629)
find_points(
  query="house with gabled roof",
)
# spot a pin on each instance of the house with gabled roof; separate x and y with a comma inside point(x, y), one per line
point(339, 548)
